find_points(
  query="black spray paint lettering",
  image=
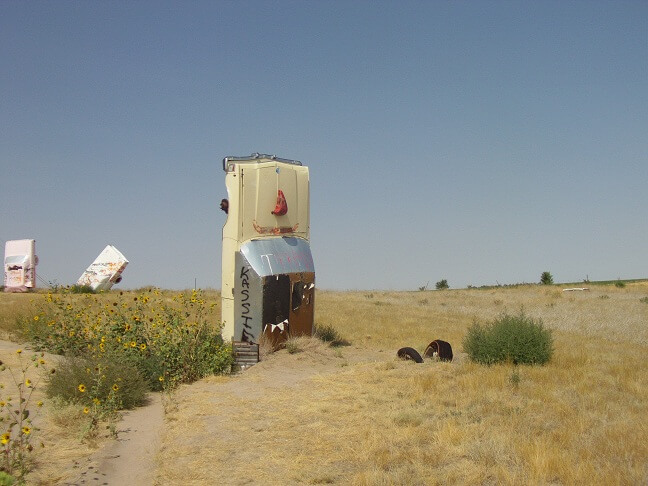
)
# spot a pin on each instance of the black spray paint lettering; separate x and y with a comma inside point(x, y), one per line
point(247, 337)
point(245, 296)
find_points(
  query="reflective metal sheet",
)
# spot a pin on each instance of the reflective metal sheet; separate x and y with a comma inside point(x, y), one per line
point(274, 256)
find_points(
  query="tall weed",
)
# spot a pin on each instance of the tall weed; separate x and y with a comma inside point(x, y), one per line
point(16, 415)
point(167, 340)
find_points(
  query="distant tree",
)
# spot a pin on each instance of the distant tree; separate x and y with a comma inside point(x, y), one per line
point(442, 284)
point(546, 278)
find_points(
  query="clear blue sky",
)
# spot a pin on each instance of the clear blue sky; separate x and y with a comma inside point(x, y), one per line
point(479, 142)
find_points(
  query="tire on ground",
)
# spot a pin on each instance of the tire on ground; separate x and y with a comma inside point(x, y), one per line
point(410, 354)
point(442, 349)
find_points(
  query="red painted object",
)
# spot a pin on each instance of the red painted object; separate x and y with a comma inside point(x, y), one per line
point(281, 207)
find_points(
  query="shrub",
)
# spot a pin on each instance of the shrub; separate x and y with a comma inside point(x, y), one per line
point(644, 300)
point(442, 284)
point(167, 340)
point(81, 289)
point(6, 479)
point(620, 284)
point(546, 278)
point(519, 339)
point(329, 334)
point(109, 384)
point(293, 346)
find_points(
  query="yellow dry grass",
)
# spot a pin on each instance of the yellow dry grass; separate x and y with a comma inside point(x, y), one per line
point(356, 415)
point(14, 307)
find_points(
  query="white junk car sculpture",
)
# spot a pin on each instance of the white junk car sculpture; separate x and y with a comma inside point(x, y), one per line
point(20, 265)
point(105, 271)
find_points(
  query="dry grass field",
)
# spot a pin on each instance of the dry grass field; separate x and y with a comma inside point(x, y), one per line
point(357, 415)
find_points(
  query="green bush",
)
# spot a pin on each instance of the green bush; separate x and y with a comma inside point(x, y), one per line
point(81, 289)
point(200, 352)
point(546, 278)
point(620, 284)
point(293, 346)
point(6, 479)
point(329, 334)
point(518, 339)
point(442, 285)
point(107, 382)
point(167, 340)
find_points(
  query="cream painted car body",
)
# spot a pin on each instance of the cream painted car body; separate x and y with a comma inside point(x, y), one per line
point(264, 254)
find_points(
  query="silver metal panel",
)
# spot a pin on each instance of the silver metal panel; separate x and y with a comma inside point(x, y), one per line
point(274, 256)
point(248, 301)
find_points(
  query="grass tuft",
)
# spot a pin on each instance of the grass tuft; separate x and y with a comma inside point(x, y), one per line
point(329, 334)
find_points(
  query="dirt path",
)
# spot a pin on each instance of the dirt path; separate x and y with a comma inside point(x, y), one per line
point(130, 459)
point(231, 423)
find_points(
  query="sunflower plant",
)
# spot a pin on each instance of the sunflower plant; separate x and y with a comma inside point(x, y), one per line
point(148, 336)
point(16, 416)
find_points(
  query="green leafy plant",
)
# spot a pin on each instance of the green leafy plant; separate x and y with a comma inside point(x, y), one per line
point(167, 340)
point(329, 334)
point(6, 479)
point(518, 338)
point(16, 419)
point(546, 278)
point(293, 347)
point(620, 284)
point(442, 284)
point(100, 389)
point(81, 289)
point(107, 382)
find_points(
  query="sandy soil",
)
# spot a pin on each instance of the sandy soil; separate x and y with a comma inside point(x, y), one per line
point(130, 459)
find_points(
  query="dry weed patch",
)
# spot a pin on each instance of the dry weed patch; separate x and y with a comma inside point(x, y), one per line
point(14, 308)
